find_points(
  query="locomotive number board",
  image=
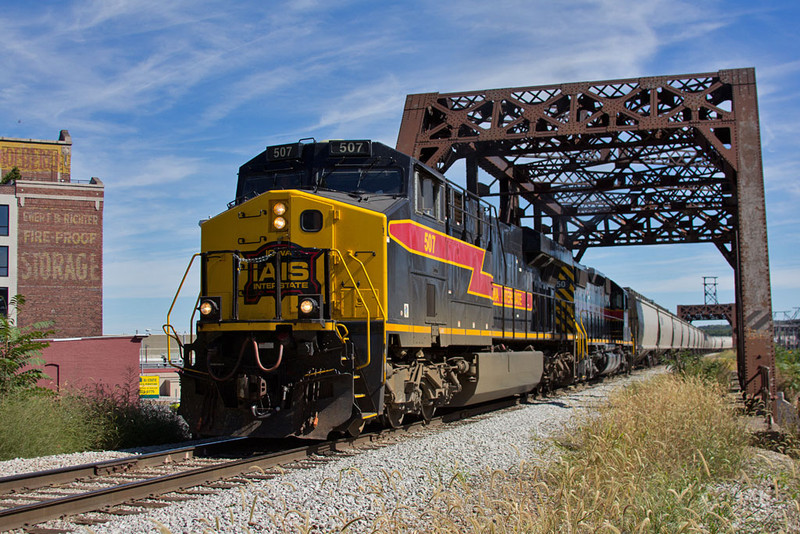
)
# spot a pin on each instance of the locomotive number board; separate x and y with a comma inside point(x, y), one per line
point(279, 152)
point(350, 148)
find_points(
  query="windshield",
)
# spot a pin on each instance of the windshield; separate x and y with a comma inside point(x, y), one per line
point(379, 181)
point(257, 184)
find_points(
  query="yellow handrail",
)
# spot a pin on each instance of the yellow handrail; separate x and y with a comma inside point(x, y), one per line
point(369, 281)
point(366, 308)
point(167, 328)
point(342, 336)
point(584, 337)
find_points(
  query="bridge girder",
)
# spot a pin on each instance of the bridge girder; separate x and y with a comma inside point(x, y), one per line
point(655, 160)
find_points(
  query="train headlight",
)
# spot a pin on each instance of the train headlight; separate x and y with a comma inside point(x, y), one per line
point(279, 223)
point(209, 309)
point(308, 307)
point(279, 208)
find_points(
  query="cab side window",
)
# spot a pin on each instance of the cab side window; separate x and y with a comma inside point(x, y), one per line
point(429, 195)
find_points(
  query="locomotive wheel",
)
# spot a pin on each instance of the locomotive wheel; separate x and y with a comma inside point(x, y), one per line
point(393, 417)
point(427, 409)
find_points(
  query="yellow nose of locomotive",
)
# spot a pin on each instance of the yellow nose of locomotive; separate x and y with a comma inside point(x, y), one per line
point(275, 258)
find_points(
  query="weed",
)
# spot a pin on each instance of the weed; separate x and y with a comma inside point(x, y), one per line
point(642, 465)
point(787, 363)
point(74, 421)
point(62, 425)
point(781, 442)
point(716, 368)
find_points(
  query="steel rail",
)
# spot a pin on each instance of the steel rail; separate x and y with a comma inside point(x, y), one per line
point(39, 479)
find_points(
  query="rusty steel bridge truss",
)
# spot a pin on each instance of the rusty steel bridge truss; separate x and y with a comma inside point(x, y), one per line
point(656, 160)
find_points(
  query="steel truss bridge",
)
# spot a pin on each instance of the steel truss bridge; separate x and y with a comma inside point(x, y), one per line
point(641, 161)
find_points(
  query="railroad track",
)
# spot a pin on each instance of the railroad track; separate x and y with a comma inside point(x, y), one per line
point(137, 483)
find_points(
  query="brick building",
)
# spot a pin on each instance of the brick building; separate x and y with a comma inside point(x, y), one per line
point(93, 363)
point(51, 237)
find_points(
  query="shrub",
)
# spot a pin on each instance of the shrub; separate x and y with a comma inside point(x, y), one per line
point(11, 176)
point(38, 424)
point(20, 349)
point(716, 369)
point(129, 422)
point(139, 424)
point(77, 421)
point(787, 363)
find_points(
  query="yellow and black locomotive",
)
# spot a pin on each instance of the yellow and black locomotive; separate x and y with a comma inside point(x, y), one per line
point(348, 282)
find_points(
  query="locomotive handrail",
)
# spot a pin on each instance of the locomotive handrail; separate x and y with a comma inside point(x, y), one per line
point(583, 336)
point(167, 328)
point(361, 297)
point(369, 281)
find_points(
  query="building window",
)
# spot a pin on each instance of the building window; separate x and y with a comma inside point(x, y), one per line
point(3, 261)
point(4, 301)
point(3, 219)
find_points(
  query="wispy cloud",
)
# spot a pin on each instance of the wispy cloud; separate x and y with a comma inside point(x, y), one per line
point(161, 170)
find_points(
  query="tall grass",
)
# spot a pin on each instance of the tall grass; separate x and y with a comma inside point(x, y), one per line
point(787, 362)
point(37, 423)
point(716, 368)
point(644, 463)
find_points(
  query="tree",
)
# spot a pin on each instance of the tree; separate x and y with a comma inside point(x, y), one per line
point(11, 176)
point(20, 351)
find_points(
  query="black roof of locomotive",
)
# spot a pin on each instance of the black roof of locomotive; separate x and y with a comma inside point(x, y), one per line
point(318, 153)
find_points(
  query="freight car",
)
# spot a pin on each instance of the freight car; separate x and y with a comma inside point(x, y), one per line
point(348, 282)
point(657, 331)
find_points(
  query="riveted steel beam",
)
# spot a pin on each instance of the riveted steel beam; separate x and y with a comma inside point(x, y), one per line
point(753, 295)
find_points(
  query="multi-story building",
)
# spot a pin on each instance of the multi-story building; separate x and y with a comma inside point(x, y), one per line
point(51, 237)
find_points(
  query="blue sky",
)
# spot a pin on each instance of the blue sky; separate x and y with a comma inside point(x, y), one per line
point(165, 99)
